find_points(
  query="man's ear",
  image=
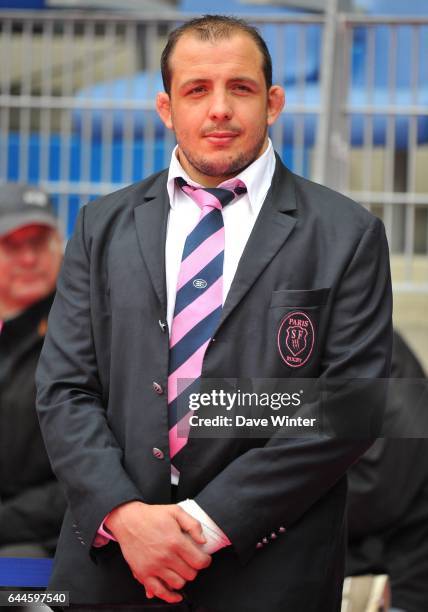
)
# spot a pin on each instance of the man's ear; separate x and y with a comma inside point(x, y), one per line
point(163, 106)
point(276, 101)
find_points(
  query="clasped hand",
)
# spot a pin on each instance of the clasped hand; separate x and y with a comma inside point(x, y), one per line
point(161, 544)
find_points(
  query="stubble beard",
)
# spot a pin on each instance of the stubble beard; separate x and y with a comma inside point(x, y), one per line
point(227, 167)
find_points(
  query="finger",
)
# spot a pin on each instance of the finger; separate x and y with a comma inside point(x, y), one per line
point(172, 579)
point(193, 555)
point(183, 569)
point(190, 525)
point(158, 588)
point(149, 594)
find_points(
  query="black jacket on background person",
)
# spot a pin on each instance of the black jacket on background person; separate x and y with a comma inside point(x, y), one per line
point(388, 498)
point(31, 502)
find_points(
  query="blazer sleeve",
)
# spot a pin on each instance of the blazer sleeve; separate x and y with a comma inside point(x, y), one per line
point(84, 453)
point(277, 483)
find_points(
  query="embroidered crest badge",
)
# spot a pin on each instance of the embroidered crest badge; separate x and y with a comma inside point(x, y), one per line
point(296, 337)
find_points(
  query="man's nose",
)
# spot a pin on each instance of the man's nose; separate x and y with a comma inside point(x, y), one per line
point(27, 254)
point(221, 108)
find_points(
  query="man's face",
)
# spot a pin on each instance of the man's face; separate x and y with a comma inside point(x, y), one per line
point(30, 258)
point(219, 106)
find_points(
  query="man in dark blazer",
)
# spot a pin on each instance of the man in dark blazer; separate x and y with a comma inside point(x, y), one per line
point(296, 255)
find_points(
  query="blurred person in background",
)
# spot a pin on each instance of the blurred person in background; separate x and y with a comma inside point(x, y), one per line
point(31, 502)
point(388, 497)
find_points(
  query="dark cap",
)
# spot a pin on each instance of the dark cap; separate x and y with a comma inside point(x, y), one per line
point(22, 205)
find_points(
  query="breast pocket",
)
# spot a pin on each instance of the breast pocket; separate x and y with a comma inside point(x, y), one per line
point(301, 298)
point(296, 316)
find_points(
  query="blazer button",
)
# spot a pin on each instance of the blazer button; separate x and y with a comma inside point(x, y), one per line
point(157, 388)
point(158, 453)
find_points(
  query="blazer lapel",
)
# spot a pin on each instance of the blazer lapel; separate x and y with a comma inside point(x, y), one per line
point(151, 218)
point(272, 228)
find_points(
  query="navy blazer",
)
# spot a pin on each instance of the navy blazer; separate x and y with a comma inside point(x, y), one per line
point(312, 251)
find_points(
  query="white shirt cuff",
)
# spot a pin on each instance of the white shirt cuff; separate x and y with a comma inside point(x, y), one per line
point(216, 538)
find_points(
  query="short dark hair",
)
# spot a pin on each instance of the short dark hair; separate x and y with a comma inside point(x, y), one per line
point(213, 28)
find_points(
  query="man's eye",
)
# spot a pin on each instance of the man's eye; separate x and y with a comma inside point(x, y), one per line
point(197, 90)
point(241, 87)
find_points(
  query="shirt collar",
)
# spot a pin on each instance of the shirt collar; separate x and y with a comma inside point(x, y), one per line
point(257, 177)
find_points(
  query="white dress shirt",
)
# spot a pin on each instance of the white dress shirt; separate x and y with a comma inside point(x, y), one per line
point(239, 218)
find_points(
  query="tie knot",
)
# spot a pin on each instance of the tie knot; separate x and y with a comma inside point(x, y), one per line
point(215, 197)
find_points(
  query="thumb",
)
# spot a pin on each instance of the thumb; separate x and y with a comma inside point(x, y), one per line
point(190, 525)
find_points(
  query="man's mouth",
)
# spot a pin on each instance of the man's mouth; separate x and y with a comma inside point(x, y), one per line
point(221, 136)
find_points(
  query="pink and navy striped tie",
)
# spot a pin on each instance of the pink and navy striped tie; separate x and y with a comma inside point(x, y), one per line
point(198, 302)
